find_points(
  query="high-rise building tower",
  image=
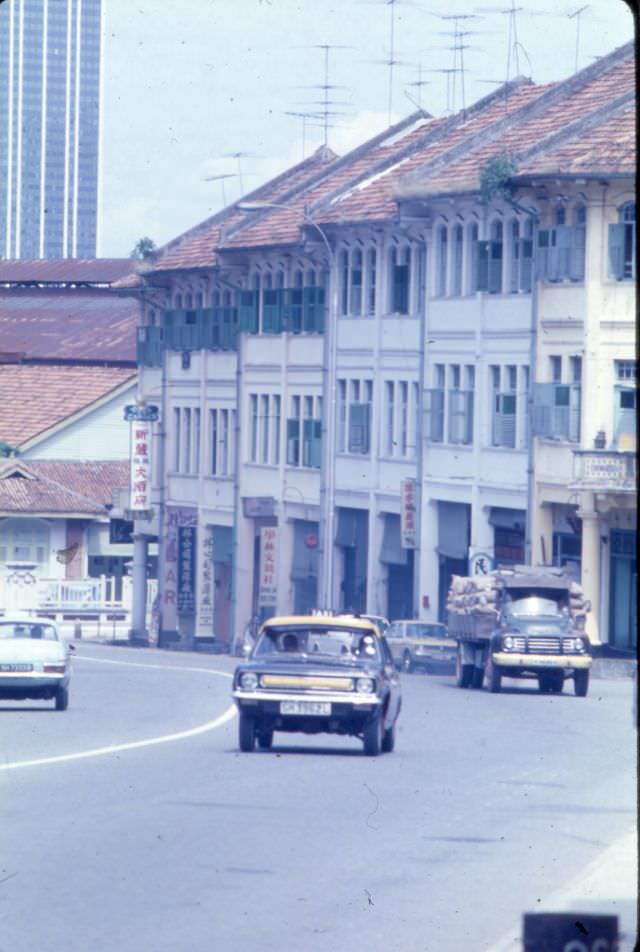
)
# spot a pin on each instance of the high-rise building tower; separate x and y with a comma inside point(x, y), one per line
point(49, 127)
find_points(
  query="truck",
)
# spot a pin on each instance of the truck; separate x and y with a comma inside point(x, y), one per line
point(520, 622)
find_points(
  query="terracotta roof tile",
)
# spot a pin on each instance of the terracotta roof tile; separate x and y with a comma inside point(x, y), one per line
point(80, 324)
point(34, 398)
point(66, 270)
point(60, 487)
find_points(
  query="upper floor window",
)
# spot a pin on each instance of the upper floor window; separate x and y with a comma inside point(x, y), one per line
point(521, 256)
point(304, 432)
point(351, 265)
point(560, 252)
point(355, 399)
point(487, 260)
point(400, 279)
point(371, 280)
point(456, 275)
point(441, 261)
point(622, 244)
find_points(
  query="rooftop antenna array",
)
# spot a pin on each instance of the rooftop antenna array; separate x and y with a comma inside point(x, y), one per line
point(577, 14)
point(391, 61)
point(325, 112)
point(457, 69)
point(221, 178)
point(307, 117)
point(417, 84)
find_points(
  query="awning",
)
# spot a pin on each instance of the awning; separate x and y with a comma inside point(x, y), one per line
point(391, 551)
point(453, 530)
point(305, 550)
point(507, 518)
point(351, 524)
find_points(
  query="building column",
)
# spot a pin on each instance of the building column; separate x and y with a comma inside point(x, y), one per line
point(138, 631)
point(429, 570)
point(591, 570)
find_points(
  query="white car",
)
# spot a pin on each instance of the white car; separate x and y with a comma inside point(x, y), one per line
point(34, 661)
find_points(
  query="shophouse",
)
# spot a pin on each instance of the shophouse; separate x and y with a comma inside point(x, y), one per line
point(369, 371)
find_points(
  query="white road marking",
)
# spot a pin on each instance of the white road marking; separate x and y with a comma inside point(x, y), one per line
point(133, 745)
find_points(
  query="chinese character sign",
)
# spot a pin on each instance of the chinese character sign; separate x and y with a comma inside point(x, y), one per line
point(186, 570)
point(176, 518)
point(408, 514)
point(268, 587)
point(205, 582)
point(140, 465)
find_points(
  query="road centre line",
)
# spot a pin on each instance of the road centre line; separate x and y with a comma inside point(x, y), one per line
point(138, 744)
point(160, 667)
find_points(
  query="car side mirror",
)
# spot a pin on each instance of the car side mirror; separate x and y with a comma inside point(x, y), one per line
point(71, 647)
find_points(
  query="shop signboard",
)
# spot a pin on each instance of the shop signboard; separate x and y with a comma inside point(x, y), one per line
point(408, 513)
point(268, 587)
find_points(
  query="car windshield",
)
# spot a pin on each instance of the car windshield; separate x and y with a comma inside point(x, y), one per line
point(416, 630)
point(346, 645)
point(27, 629)
point(535, 605)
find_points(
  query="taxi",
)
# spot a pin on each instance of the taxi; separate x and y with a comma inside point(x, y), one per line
point(313, 674)
point(421, 645)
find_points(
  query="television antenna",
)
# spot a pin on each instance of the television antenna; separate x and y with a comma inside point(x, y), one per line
point(457, 48)
point(326, 88)
point(417, 84)
point(238, 156)
point(220, 178)
point(577, 14)
point(307, 117)
point(391, 60)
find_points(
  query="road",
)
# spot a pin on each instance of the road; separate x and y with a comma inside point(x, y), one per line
point(489, 804)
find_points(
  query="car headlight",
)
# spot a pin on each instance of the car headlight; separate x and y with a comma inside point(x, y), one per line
point(577, 645)
point(365, 685)
point(248, 681)
point(507, 642)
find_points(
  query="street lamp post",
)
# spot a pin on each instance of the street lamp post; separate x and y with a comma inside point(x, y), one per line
point(329, 367)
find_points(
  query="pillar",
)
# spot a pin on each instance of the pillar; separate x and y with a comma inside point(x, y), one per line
point(138, 630)
point(591, 570)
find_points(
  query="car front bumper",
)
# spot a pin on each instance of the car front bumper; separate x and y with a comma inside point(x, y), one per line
point(348, 713)
point(514, 659)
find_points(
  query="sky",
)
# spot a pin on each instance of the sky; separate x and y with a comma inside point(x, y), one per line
point(189, 84)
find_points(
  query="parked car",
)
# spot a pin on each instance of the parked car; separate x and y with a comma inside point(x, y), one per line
point(418, 644)
point(316, 674)
point(34, 661)
point(379, 620)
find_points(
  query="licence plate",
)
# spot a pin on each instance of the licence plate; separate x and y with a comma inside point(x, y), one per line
point(319, 708)
point(16, 667)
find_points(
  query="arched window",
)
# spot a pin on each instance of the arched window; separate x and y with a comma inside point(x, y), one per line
point(178, 300)
point(372, 259)
point(343, 268)
point(441, 276)
point(458, 245)
point(400, 277)
point(622, 244)
point(356, 284)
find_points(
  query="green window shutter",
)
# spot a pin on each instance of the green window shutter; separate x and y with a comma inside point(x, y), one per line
point(577, 254)
point(482, 266)
point(435, 412)
point(495, 267)
point(248, 312)
point(293, 442)
point(272, 301)
point(228, 328)
point(575, 407)
point(313, 309)
point(542, 255)
point(359, 428)
point(292, 310)
point(543, 397)
point(311, 443)
point(400, 289)
point(616, 251)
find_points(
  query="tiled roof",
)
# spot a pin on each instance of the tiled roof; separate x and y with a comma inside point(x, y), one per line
point(563, 111)
point(197, 247)
point(33, 398)
point(65, 270)
point(63, 323)
point(59, 487)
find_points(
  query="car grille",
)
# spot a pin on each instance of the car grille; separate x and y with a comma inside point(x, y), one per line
point(544, 645)
point(311, 683)
point(519, 643)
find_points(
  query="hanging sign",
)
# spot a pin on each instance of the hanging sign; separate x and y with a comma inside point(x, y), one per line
point(268, 588)
point(408, 514)
point(140, 419)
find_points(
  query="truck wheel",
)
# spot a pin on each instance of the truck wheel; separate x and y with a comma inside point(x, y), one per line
point(407, 662)
point(246, 733)
point(494, 677)
point(581, 683)
point(265, 740)
point(464, 672)
point(372, 736)
point(389, 740)
point(477, 677)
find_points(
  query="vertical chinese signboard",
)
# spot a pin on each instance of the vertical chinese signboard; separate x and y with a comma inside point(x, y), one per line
point(178, 564)
point(205, 582)
point(140, 418)
point(268, 587)
point(408, 513)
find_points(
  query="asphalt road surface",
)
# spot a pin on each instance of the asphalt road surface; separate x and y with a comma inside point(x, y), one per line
point(131, 822)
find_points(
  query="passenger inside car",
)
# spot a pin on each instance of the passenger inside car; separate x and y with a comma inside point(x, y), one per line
point(290, 642)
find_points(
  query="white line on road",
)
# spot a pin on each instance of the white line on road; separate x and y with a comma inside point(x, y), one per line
point(161, 667)
point(133, 745)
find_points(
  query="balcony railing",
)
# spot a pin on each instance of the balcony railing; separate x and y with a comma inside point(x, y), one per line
point(604, 470)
